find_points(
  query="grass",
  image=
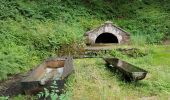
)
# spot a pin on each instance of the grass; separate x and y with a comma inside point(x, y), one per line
point(32, 30)
point(40, 28)
point(93, 81)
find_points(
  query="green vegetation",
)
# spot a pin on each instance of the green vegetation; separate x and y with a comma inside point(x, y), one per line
point(93, 80)
point(32, 30)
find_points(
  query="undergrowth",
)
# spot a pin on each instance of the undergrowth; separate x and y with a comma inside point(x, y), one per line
point(93, 80)
point(32, 30)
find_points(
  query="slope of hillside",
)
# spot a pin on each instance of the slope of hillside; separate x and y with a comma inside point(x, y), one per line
point(31, 30)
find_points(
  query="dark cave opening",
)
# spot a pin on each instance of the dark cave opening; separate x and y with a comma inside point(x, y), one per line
point(106, 38)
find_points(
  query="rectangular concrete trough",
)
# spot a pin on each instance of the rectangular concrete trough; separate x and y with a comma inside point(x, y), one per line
point(53, 69)
point(130, 71)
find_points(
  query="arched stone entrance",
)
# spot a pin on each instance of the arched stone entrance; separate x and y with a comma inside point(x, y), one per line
point(106, 38)
point(107, 33)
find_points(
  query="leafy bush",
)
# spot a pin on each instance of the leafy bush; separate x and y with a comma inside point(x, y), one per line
point(39, 28)
point(8, 9)
point(14, 59)
point(52, 93)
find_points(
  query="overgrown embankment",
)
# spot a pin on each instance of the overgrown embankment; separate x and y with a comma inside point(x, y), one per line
point(31, 30)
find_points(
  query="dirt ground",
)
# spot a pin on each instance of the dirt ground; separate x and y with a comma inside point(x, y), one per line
point(11, 86)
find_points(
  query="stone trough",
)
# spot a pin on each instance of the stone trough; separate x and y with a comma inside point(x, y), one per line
point(54, 69)
point(129, 71)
